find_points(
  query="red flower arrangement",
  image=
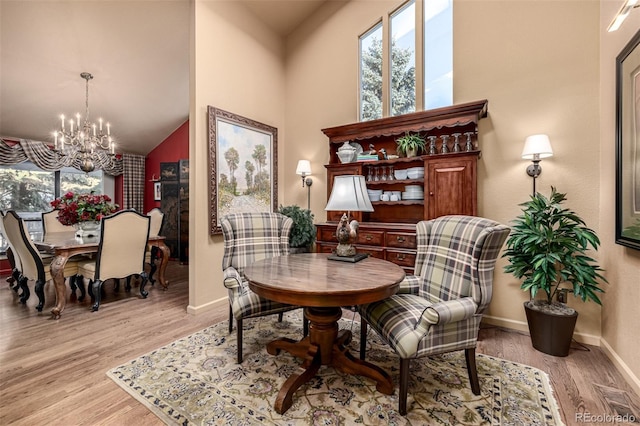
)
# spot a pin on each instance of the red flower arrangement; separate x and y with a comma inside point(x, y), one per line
point(73, 208)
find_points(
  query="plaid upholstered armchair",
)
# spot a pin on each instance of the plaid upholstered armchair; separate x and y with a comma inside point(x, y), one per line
point(249, 237)
point(439, 309)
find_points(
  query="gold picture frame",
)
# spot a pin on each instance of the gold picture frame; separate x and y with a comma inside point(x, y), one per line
point(240, 144)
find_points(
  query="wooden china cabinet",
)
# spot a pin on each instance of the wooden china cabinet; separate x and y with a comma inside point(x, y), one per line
point(449, 181)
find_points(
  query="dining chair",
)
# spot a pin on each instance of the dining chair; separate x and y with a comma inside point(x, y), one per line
point(33, 265)
point(12, 257)
point(121, 252)
point(51, 225)
point(439, 309)
point(249, 237)
point(155, 226)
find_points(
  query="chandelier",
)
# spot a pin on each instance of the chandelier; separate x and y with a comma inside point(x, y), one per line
point(83, 141)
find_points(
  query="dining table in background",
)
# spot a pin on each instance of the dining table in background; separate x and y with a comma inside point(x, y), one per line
point(323, 286)
point(65, 245)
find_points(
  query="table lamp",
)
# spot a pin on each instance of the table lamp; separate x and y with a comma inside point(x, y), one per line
point(349, 193)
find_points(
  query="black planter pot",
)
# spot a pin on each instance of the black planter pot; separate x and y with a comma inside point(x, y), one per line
point(550, 333)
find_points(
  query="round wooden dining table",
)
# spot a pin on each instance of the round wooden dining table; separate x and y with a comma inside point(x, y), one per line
point(322, 286)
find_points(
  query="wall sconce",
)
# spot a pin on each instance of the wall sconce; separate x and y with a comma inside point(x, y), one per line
point(349, 193)
point(304, 170)
point(536, 147)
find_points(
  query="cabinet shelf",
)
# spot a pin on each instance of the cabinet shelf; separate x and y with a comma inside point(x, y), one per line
point(374, 183)
point(399, 203)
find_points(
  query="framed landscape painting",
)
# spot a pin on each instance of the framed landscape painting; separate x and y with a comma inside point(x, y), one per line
point(628, 144)
point(243, 170)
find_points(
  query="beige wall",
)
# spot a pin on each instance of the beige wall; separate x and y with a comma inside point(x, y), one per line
point(537, 62)
point(620, 319)
point(237, 64)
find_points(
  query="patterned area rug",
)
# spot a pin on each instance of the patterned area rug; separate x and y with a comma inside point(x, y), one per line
point(196, 381)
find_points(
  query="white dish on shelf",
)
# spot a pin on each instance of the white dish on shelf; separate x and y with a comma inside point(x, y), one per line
point(415, 169)
point(412, 196)
point(415, 175)
point(413, 188)
point(400, 174)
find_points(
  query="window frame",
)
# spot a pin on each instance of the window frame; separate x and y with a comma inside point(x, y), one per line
point(420, 73)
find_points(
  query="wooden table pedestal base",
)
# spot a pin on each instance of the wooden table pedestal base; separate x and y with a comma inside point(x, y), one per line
point(323, 346)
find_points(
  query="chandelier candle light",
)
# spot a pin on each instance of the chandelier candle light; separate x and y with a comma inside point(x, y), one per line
point(82, 141)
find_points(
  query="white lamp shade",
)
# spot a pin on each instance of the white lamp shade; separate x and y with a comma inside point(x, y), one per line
point(537, 144)
point(304, 168)
point(349, 193)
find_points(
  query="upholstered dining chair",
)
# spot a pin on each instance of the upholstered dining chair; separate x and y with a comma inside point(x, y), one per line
point(155, 227)
point(439, 309)
point(121, 252)
point(249, 237)
point(32, 264)
point(51, 225)
point(12, 257)
point(157, 220)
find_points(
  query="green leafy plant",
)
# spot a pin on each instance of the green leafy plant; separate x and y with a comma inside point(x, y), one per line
point(411, 142)
point(547, 247)
point(303, 231)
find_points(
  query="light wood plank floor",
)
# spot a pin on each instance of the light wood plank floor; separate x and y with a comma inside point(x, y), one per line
point(52, 372)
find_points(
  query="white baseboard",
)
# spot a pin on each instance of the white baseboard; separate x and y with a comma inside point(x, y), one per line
point(587, 339)
point(208, 307)
point(621, 366)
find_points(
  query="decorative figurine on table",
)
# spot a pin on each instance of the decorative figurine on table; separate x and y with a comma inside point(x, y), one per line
point(345, 234)
point(382, 154)
point(372, 150)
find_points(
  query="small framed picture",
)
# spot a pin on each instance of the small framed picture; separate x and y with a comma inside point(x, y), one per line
point(157, 191)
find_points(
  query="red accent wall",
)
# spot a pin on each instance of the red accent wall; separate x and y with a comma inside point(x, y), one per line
point(174, 148)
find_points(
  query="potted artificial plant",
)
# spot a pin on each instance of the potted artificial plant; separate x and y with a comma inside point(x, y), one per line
point(411, 144)
point(547, 247)
point(303, 231)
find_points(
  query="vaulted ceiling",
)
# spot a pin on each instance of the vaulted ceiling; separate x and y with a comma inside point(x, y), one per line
point(137, 52)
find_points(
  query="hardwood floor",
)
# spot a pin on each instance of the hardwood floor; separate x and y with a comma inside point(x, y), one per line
point(53, 371)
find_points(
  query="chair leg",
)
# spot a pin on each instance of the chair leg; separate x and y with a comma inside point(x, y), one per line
point(470, 355)
point(404, 386)
point(363, 338)
point(239, 325)
point(24, 296)
point(40, 293)
point(280, 315)
point(144, 293)
point(79, 281)
point(97, 289)
point(230, 319)
point(15, 274)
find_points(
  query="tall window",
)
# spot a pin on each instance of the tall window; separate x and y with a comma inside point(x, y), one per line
point(403, 60)
point(371, 73)
point(406, 60)
point(438, 53)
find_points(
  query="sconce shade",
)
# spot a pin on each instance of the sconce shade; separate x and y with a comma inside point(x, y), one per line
point(349, 193)
point(537, 144)
point(304, 168)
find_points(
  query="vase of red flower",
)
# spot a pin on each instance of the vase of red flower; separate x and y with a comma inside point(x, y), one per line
point(83, 211)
